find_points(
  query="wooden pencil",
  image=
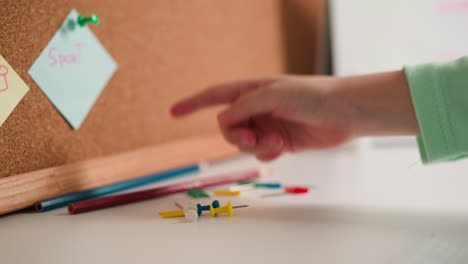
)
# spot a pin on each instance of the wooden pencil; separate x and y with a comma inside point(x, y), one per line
point(126, 198)
point(65, 200)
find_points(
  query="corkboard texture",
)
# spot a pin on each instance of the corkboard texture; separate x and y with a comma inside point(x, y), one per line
point(165, 49)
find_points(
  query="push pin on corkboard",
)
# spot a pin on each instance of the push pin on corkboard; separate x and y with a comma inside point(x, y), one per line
point(82, 21)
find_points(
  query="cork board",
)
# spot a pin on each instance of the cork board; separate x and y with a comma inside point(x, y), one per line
point(165, 50)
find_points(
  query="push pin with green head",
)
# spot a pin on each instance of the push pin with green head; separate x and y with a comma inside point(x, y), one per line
point(82, 21)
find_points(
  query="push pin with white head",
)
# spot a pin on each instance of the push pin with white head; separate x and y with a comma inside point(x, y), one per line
point(191, 213)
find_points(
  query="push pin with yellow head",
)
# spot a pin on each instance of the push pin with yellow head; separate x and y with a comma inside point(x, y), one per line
point(226, 209)
point(192, 212)
point(227, 193)
point(82, 20)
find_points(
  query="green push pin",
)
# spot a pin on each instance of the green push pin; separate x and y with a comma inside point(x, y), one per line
point(82, 21)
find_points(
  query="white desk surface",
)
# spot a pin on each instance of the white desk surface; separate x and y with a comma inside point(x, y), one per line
point(380, 207)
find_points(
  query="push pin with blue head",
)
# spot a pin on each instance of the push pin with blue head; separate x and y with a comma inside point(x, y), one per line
point(82, 20)
point(201, 208)
point(215, 204)
point(196, 211)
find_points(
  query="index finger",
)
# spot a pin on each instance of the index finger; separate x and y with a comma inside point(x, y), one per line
point(215, 95)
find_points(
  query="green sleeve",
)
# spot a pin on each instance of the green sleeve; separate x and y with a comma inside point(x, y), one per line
point(440, 97)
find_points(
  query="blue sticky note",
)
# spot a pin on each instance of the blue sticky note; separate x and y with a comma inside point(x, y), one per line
point(73, 69)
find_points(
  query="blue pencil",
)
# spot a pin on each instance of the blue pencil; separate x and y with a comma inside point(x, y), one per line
point(64, 200)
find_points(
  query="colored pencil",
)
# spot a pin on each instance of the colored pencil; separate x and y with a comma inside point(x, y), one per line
point(64, 200)
point(126, 198)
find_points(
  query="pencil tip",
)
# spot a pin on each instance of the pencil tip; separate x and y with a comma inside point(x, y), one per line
point(38, 207)
point(71, 209)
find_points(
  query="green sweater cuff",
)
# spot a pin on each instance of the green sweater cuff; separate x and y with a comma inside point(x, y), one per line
point(440, 97)
point(425, 84)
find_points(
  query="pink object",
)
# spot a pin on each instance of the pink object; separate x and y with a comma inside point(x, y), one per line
point(3, 73)
point(446, 6)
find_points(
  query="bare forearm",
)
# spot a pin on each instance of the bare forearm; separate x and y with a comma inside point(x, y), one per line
point(380, 104)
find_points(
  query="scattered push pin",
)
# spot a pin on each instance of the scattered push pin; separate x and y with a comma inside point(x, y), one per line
point(296, 190)
point(191, 213)
point(197, 193)
point(214, 204)
point(242, 187)
point(289, 190)
point(226, 209)
point(201, 208)
point(269, 185)
point(227, 193)
point(82, 21)
point(248, 186)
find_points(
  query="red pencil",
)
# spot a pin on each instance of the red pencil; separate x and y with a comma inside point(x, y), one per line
point(126, 198)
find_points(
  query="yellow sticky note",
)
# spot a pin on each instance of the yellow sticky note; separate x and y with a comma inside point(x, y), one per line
point(12, 89)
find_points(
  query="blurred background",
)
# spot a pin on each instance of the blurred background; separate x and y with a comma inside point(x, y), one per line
point(380, 35)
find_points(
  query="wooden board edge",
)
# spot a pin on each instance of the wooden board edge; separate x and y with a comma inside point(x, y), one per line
point(23, 190)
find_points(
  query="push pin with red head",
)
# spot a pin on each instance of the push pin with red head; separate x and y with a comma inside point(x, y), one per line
point(289, 190)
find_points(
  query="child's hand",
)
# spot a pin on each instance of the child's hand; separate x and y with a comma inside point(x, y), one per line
point(287, 114)
point(270, 116)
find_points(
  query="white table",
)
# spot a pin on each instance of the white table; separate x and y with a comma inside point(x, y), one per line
point(373, 207)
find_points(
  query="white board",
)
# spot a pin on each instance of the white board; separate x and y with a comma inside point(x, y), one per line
point(380, 35)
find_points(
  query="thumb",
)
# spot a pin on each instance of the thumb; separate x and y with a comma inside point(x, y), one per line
point(255, 103)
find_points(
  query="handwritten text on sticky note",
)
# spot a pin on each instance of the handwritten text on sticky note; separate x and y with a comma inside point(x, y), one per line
point(73, 69)
point(12, 89)
point(60, 59)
